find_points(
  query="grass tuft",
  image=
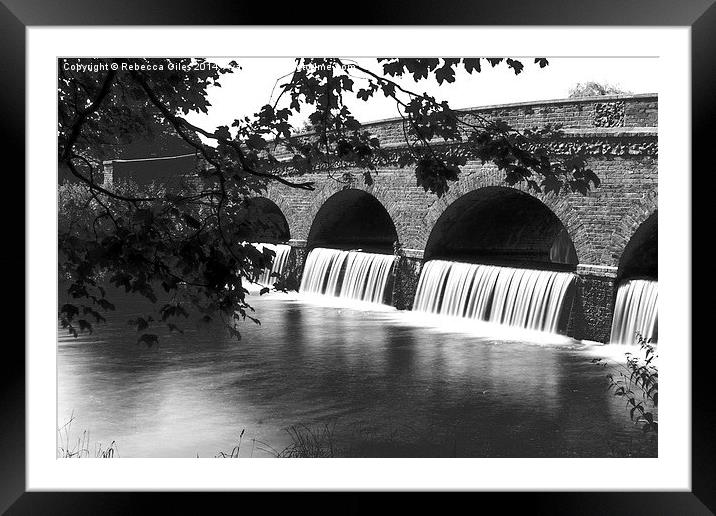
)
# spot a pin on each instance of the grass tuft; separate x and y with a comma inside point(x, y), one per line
point(69, 448)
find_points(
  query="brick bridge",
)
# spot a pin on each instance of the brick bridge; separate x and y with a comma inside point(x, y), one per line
point(605, 236)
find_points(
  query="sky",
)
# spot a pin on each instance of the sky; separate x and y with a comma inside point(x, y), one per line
point(257, 83)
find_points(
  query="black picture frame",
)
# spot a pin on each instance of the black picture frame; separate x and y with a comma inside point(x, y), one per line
point(17, 15)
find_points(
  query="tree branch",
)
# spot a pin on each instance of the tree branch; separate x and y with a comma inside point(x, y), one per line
point(179, 123)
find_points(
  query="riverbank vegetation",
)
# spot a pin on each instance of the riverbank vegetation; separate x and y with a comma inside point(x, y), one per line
point(80, 447)
point(306, 442)
point(636, 382)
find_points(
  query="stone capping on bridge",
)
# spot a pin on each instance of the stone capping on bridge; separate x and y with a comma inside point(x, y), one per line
point(536, 103)
point(527, 104)
point(600, 271)
point(413, 253)
point(601, 121)
point(578, 133)
point(611, 132)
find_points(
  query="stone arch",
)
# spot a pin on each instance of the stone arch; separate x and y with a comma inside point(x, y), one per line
point(557, 205)
point(501, 225)
point(640, 257)
point(278, 195)
point(630, 222)
point(260, 219)
point(352, 218)
point(384, 193)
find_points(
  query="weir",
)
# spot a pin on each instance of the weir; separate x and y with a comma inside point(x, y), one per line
point(277, 266)
point(635, 311)
point(523, 298)
point(348, 274)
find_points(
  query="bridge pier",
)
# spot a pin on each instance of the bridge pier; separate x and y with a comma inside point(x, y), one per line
point(593, 308)
point(295, 263)
point(405, 284)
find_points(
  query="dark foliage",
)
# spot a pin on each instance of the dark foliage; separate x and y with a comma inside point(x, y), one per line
point(637, 383)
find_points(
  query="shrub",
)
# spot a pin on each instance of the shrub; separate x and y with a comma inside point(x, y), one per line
point(637, 382)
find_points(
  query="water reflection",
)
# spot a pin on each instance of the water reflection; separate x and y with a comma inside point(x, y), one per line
point(390, 388)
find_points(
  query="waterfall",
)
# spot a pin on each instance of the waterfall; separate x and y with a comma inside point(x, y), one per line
point(347, 274)
point(277, 266)
point(635, 311)
point(523, 298)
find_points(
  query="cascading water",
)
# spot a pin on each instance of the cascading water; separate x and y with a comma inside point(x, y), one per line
point(635, 311)
point(347, 274)
point(279, 262)
point(523, 298)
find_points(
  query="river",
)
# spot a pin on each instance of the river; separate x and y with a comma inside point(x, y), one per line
point(371, 383)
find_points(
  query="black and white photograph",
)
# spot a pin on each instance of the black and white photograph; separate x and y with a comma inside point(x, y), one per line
point(428, 251)
point(357, 257)
point(432, 248)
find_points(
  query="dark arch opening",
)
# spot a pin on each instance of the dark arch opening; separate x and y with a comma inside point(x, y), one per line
point(353, 219)
point(503, 226)
point(259, 219)
point(640, 258)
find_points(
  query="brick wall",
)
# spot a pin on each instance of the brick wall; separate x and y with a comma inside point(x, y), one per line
point(600, 223)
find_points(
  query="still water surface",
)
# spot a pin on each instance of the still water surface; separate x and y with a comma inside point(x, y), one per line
point(386, 383)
